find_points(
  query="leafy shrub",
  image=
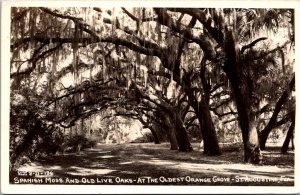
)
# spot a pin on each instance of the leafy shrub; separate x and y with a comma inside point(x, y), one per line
point(77, 143)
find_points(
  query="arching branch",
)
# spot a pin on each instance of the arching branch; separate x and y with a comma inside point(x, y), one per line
point(216, 33)
point(264, 54)
point(203, 41)
point(252, 44)
point(34, 60)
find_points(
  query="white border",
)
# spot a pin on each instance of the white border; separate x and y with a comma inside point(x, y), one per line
point(117, 189)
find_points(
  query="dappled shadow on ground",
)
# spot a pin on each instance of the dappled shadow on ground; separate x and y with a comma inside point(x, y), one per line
point(126, 163)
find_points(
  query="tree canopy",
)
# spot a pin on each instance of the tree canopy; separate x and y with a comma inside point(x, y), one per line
point(216, 70)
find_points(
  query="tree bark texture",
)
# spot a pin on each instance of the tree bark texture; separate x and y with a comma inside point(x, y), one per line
point(155, 137)
point(181, 134)
point(242, 93)
point(173, 139)
point(210, 139)
point(209, 135)
point(171, 133)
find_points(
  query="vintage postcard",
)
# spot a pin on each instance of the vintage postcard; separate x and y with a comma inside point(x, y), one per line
point(149, 97)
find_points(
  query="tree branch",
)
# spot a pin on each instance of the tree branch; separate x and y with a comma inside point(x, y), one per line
point(216, 33)
point(221, 104)
point(130, 14)
point(89, 40)
point(253, 43)
point(265, 132)
point(82, 25)
point(203, 41)
point(34, 60)
point(190, 121)
point(223, 114)
point(264, 54)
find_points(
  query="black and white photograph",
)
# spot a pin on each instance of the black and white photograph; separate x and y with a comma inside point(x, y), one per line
point(166, 96)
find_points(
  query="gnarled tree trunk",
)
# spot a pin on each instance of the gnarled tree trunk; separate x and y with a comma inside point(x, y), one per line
point(210, 139)
point(171, 132)
point(209, 135)
point(172, 138)
point(181, 134)
point(247, 124)
point(155, 137)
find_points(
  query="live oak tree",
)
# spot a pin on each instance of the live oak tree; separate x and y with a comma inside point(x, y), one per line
point(75, 69)
point(163, 42)
point(163, 106)
point(227, 24)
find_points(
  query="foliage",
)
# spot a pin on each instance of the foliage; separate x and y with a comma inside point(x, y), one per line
point(77, 143)
point(28, 126)
point(183, 72)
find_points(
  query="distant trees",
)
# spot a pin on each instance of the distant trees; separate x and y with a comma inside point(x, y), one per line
point(169, 68)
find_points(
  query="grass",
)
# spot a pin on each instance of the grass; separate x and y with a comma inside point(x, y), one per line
point(128, 164)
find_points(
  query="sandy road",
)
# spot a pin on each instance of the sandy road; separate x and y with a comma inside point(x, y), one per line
point(149, 164)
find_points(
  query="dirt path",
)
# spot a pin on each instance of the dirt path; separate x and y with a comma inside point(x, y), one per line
point(150, 164)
